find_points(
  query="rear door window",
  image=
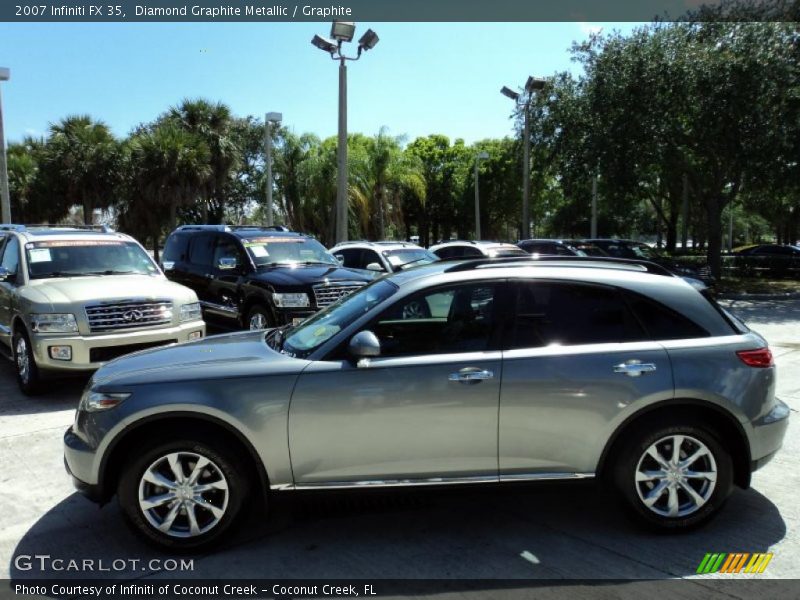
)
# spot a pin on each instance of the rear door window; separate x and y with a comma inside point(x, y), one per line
point(201, 249)
point(565, 314)
point(663, 323)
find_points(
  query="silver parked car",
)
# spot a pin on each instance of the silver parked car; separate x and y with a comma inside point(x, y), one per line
point(519, 371)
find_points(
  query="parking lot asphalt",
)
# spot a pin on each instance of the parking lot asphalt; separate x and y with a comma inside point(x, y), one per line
point(550, 532)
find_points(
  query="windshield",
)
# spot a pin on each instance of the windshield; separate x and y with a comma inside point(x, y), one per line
point(270, 251)
point(317, 330)
point(505, 250)
point(409, 257)
point(73, 258)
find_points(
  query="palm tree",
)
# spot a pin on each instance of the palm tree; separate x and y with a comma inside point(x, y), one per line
point(168, 168)
point(81, 163)
point(213, 123)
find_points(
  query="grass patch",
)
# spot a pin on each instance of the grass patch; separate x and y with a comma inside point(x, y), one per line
point(756, 285)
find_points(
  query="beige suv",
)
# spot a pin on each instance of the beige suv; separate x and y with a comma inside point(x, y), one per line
point(72, 299)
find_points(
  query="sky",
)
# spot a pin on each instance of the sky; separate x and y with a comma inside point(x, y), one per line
point(421, 78)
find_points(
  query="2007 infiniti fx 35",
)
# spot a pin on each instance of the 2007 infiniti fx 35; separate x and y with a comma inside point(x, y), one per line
point(486, 371)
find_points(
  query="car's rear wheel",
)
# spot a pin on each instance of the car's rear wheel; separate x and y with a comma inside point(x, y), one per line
point(25, 365)
point(183, 495)
point(258, 317)
point(674, 477)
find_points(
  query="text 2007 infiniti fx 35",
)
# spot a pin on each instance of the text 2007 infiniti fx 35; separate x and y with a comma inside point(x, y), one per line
point(518, 371)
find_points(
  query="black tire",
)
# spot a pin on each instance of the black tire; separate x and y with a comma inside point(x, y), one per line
point(632, 492)
point(258, 311)
point(25, 368)
point(230, 465)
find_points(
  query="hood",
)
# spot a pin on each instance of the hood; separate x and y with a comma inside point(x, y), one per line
point(226, 356)
point(81, 290)
point(305, 275)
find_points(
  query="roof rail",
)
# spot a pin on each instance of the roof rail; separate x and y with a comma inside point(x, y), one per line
point(601, 261)
point(100, 228)
point(203, 228)
point(282, 228)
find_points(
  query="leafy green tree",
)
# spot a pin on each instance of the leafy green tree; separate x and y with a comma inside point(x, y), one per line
point(81, 163)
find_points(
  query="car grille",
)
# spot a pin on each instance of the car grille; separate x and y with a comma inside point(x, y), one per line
point(128, 315)
point(326, 294)
point(112, 352)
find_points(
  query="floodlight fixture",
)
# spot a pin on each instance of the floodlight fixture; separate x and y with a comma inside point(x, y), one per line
point(483, 155)
point(5, 74)
point(324, 44)
point(343, 31)
point(274, 117)
point(509, 93)
point(369, 40)
point(534, 84)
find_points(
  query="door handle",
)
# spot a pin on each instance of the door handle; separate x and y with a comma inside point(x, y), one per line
point(634, 368)
point(470, 375)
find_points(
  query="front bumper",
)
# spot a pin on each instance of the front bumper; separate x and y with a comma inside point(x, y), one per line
point(82, 346)
point(78, 461)
point(768, 434)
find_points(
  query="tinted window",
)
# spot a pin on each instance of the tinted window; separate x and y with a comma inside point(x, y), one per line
point(176, 248)
point(226, 254)
point(11, 255)
point(351, 257)
point(468, 252)
point(662, 323)
point(447, 320)
point(370, 256)
point(201, 249)
point(567, 314)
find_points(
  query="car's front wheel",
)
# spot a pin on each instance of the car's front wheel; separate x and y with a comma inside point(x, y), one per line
point(258, 318)
point(674, 477)
point(25, 364)
point(183, 495)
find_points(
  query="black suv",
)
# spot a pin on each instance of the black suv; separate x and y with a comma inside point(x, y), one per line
point(256, 277)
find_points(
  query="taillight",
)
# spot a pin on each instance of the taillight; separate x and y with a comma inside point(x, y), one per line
point(761, 358)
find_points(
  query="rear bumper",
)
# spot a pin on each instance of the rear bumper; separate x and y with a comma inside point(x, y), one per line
point(768, 434)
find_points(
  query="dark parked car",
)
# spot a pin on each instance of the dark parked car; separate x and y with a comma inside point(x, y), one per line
point(769, 260)
point(560, 248)
point(638, 250)
point(257, 277)
point(457, 249)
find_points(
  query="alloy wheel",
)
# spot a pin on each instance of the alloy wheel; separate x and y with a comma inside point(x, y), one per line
point(183, 494)
point(23, 359)
point(676, 476)
point(258, 321)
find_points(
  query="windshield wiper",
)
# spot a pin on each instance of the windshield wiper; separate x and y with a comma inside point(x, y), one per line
point(59, 274)
point(113, 272)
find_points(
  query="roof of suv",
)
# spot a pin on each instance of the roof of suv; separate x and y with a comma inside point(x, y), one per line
point(244, 231)
point(43, 232)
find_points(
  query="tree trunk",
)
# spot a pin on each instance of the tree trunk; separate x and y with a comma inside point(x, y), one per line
point(88, 211)
point(714, 208)
point(173, 215)
point(156, 237)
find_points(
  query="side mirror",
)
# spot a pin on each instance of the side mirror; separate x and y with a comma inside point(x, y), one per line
point(5, 274)
point(340, 258)
point(227, 264)
point(374, 267)
point(364, 344)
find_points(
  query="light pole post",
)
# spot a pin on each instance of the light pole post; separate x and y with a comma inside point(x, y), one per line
point(343, 31)
point(532, 85)
point(342, 212)
point(269, 118)
point(481, 156)
point(594, 207)
point(5, 201)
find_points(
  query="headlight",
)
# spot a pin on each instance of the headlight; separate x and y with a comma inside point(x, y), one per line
point(191, 312)
point(54, 323)
point(298, 300)
point(96, 401)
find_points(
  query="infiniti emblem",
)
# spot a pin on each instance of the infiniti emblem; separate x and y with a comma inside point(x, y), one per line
point(132, 316)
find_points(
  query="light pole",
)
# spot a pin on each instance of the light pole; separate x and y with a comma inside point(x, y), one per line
point(481, 156)
point(5, 201)
point(343, 31)
point(531, 85)
point(269, 119)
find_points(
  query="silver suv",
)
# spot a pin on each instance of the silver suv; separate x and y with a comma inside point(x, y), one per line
point(520, 371)
point(73, 299)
